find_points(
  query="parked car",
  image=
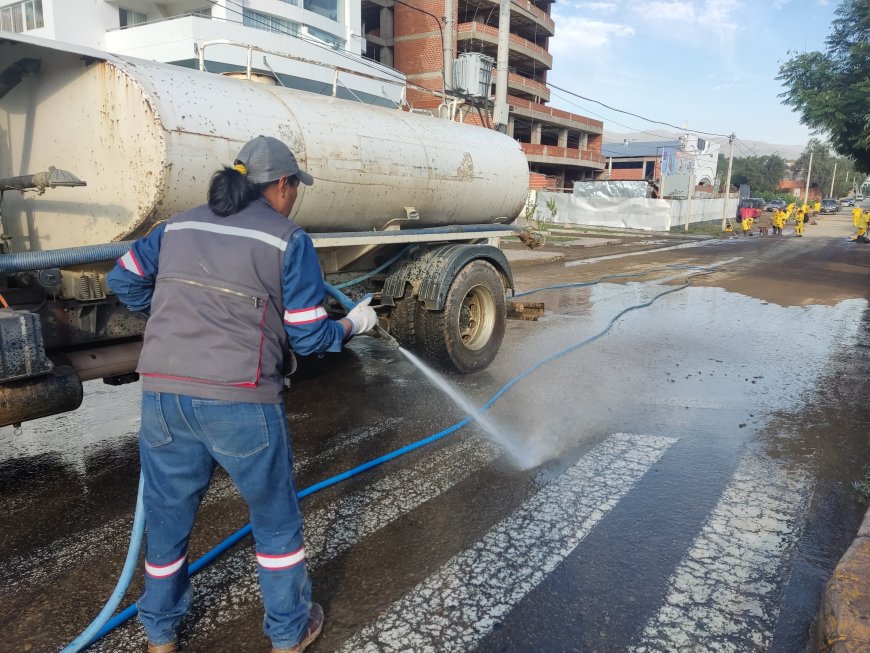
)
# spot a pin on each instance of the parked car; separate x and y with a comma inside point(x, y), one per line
point(755, 203)
point(775, 205)
point(847, 201)
point(830, 205)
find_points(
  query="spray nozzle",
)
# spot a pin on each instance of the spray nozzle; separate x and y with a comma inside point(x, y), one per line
point(380, 332)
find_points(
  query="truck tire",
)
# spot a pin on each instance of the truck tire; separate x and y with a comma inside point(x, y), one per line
point(402, 319)
point(467, 334)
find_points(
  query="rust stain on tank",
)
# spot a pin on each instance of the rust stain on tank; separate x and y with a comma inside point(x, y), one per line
point(465, 171)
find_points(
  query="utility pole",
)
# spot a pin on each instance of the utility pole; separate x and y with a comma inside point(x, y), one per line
point(809, 172)
point(833, 178)
point(500, 110)
point(728, 180)
point(689, 201)
point(447, 46)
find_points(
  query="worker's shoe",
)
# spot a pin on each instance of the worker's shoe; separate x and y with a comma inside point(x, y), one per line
point(171, 647)
point(315, 625)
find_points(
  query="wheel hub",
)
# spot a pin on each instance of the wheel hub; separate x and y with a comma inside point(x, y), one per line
point(476, 317)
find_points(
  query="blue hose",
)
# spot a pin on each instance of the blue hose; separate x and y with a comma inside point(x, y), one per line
point(218, 550)
point(60, 258)
point(90, 633)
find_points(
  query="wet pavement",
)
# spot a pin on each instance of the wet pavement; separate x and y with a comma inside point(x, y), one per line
point(680, 481)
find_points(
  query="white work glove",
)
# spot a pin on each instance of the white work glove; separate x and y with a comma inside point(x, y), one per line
point(362, 317)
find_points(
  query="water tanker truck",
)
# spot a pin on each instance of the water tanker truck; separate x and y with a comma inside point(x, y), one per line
point(97, 149)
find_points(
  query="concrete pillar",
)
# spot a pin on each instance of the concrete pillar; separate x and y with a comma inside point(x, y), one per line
point(560, 178)
point(536, 133)
point(386, 56)
point(386, 22)
point(563, 137)
point(584, 141)
point(386, 52)
point(510, 127)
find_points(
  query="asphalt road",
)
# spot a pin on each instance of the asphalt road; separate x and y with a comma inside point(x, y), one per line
point(680, 483)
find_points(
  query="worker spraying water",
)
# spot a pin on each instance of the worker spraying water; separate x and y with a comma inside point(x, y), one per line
point(228, 286)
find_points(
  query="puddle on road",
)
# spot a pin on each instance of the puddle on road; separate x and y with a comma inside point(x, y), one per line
point(702, 348)
point(109, 415)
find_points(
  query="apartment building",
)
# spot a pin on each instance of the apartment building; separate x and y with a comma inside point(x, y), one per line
point(321, 39)
point(408, 35)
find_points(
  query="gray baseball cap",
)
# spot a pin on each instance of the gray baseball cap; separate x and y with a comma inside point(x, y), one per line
point(268, 159)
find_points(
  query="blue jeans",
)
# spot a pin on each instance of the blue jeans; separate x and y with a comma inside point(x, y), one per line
point(181, 440)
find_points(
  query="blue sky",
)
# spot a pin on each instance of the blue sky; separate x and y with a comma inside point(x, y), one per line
point(710, 64)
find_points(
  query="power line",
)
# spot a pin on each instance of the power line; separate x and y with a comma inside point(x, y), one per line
point(630, 113)
point(639, 131)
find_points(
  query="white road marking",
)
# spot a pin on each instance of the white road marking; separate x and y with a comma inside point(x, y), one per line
point(457, 606)
point(610, 257)
point(723, 596)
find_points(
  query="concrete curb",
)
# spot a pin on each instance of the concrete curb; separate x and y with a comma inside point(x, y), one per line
point(523, 258)
point(844, 615)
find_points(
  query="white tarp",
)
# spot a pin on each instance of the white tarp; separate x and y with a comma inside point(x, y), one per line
point(628, 213)
point(614, 189)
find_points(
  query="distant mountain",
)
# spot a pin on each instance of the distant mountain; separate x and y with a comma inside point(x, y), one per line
point(759, 148)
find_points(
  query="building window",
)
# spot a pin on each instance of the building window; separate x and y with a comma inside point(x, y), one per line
point(326, 37)
point(202, 13)
point(22, 16)
point(128, 17)
point(269, 23)
point(627, 165)
point(327, 8)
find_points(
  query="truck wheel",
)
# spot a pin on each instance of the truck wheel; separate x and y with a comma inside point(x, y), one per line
point(467, 334)
point(402, 318)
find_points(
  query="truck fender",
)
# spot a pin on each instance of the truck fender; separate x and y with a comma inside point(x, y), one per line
point(431, 271)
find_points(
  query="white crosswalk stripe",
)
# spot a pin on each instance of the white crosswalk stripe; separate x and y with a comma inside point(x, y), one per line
point(460, 603)
point(722, 597)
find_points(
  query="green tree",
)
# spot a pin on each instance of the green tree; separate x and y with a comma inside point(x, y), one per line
point(831, 90)
point(823, 169)
point(762, 173)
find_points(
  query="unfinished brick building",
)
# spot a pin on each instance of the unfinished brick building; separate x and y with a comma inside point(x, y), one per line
point(406, 34)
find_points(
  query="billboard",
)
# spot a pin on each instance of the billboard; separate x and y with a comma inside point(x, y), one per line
point(676, 161)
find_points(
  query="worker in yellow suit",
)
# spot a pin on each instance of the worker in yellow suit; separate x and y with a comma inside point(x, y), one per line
point(856, 220)
point(863, 223)
point(778, 222)
point(817, 207)
point(799, 221)
point(789, 211)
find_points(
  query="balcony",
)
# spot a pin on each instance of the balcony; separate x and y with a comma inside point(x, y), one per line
point(526, 18)
point(524, 55)
point(549, 115)
point(530, 89)
point(563, 156)
point(310, 67)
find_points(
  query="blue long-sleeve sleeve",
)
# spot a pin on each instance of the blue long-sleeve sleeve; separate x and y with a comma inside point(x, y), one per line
point(309, 329)
point(133, 277)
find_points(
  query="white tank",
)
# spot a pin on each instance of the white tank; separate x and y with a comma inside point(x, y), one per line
point(146, 138)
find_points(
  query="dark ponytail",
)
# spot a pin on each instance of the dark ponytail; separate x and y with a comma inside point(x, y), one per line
point(229, 191)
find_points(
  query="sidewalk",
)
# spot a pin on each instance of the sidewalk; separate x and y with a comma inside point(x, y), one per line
point(844, 615)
